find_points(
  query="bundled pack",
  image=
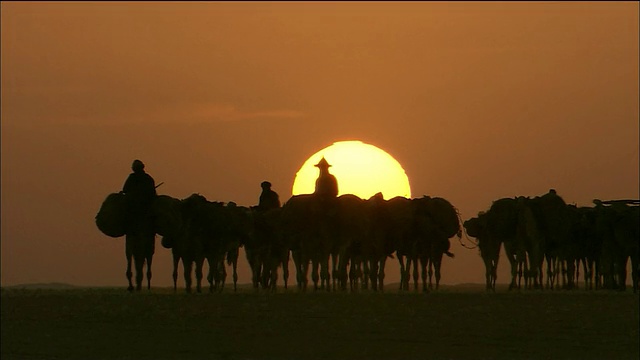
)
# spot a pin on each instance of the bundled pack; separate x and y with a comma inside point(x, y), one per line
point(111, 218)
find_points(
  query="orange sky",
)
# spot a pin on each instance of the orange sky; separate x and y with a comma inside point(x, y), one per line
point(477, 101)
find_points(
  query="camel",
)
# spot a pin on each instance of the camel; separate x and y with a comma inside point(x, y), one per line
point(267, 250)
point(489, 248)
point(435, 222)
point(305, 227)
point(227, 229)
point(162, 219)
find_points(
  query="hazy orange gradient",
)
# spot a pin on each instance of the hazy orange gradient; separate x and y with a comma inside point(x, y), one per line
point(477, 101)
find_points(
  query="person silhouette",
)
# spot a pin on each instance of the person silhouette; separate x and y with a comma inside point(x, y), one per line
point(326, 184)
point(269, 199)
point(140, 191)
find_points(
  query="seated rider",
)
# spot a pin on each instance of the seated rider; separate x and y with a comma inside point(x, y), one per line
point(269, 199)
point(140, 191)
point(326, 184)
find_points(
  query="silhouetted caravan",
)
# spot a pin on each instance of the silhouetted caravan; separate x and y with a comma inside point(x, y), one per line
point(212, 231)
point(552, 216)
point(626, 230)
point(584, 244)
point(489, 248)
point(493, 228)
point(267, 250)
point(352, 224)
point(167, 216)
point(140, 192)
point(227, 229)
point(501, 228)
point(185, 241)
point(387, 227)
point(394, 224)
point(534, 230)
point(306, 228)
point(111, 218)
point(436, 220)
point(530, 243)
point(256, 248)
point(140, 246)
point(514, 223)
point(618, 226)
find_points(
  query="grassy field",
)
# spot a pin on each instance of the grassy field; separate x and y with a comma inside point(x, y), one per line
point(453, 323)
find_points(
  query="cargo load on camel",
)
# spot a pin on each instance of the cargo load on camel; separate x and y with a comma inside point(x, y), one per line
point(111, 218)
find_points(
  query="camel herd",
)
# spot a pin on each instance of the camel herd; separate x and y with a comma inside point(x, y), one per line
point(545, 229)
point(346, 241)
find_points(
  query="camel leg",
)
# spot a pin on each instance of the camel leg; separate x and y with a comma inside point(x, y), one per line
point(635, 271)
point(285, 268)
point(218, 265)
point(415, 274)
point(437, 265)
point(513, 261)
point(520, 272)
point(176, 260)
point(403, 271)
point(187, 265)
point(366, 274)
point(257, 273)
point(325, 274)
point(297, 261)
point(315, 274)
point(274, 279)
point(212, 269)
point(571, 271)
point(373, 275)
point(335, 271)
point(622, 273)
point(128, 273)
point(356, 274)
point(587, 274)
point(149, 260)
point(381, 273)
point(234, 264)
point(343, 264)
point(430, 270)
point(304, 273)
point(423, 267)
point(549, 272)
point(198, 271)
point(273, 273)
point(488, 267)
point(253, 264)
point(223, 273)
point(138, 261)
point(494, 275)
point(540, 278)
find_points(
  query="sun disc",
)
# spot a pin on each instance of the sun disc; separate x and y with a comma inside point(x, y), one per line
point(361, 169)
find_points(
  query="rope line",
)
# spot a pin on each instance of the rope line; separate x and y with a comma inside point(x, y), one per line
point(463, 231)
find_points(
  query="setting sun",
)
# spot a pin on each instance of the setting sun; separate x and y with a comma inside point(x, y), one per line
point(361, 169)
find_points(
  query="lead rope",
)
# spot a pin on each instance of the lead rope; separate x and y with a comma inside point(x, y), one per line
point(463, 231)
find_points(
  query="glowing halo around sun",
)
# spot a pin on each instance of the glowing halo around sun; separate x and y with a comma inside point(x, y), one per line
point(361, 169)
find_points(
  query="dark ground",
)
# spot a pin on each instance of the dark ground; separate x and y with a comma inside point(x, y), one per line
point(461, 322)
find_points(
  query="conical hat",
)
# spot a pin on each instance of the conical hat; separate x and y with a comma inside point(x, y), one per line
point(322, 164)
